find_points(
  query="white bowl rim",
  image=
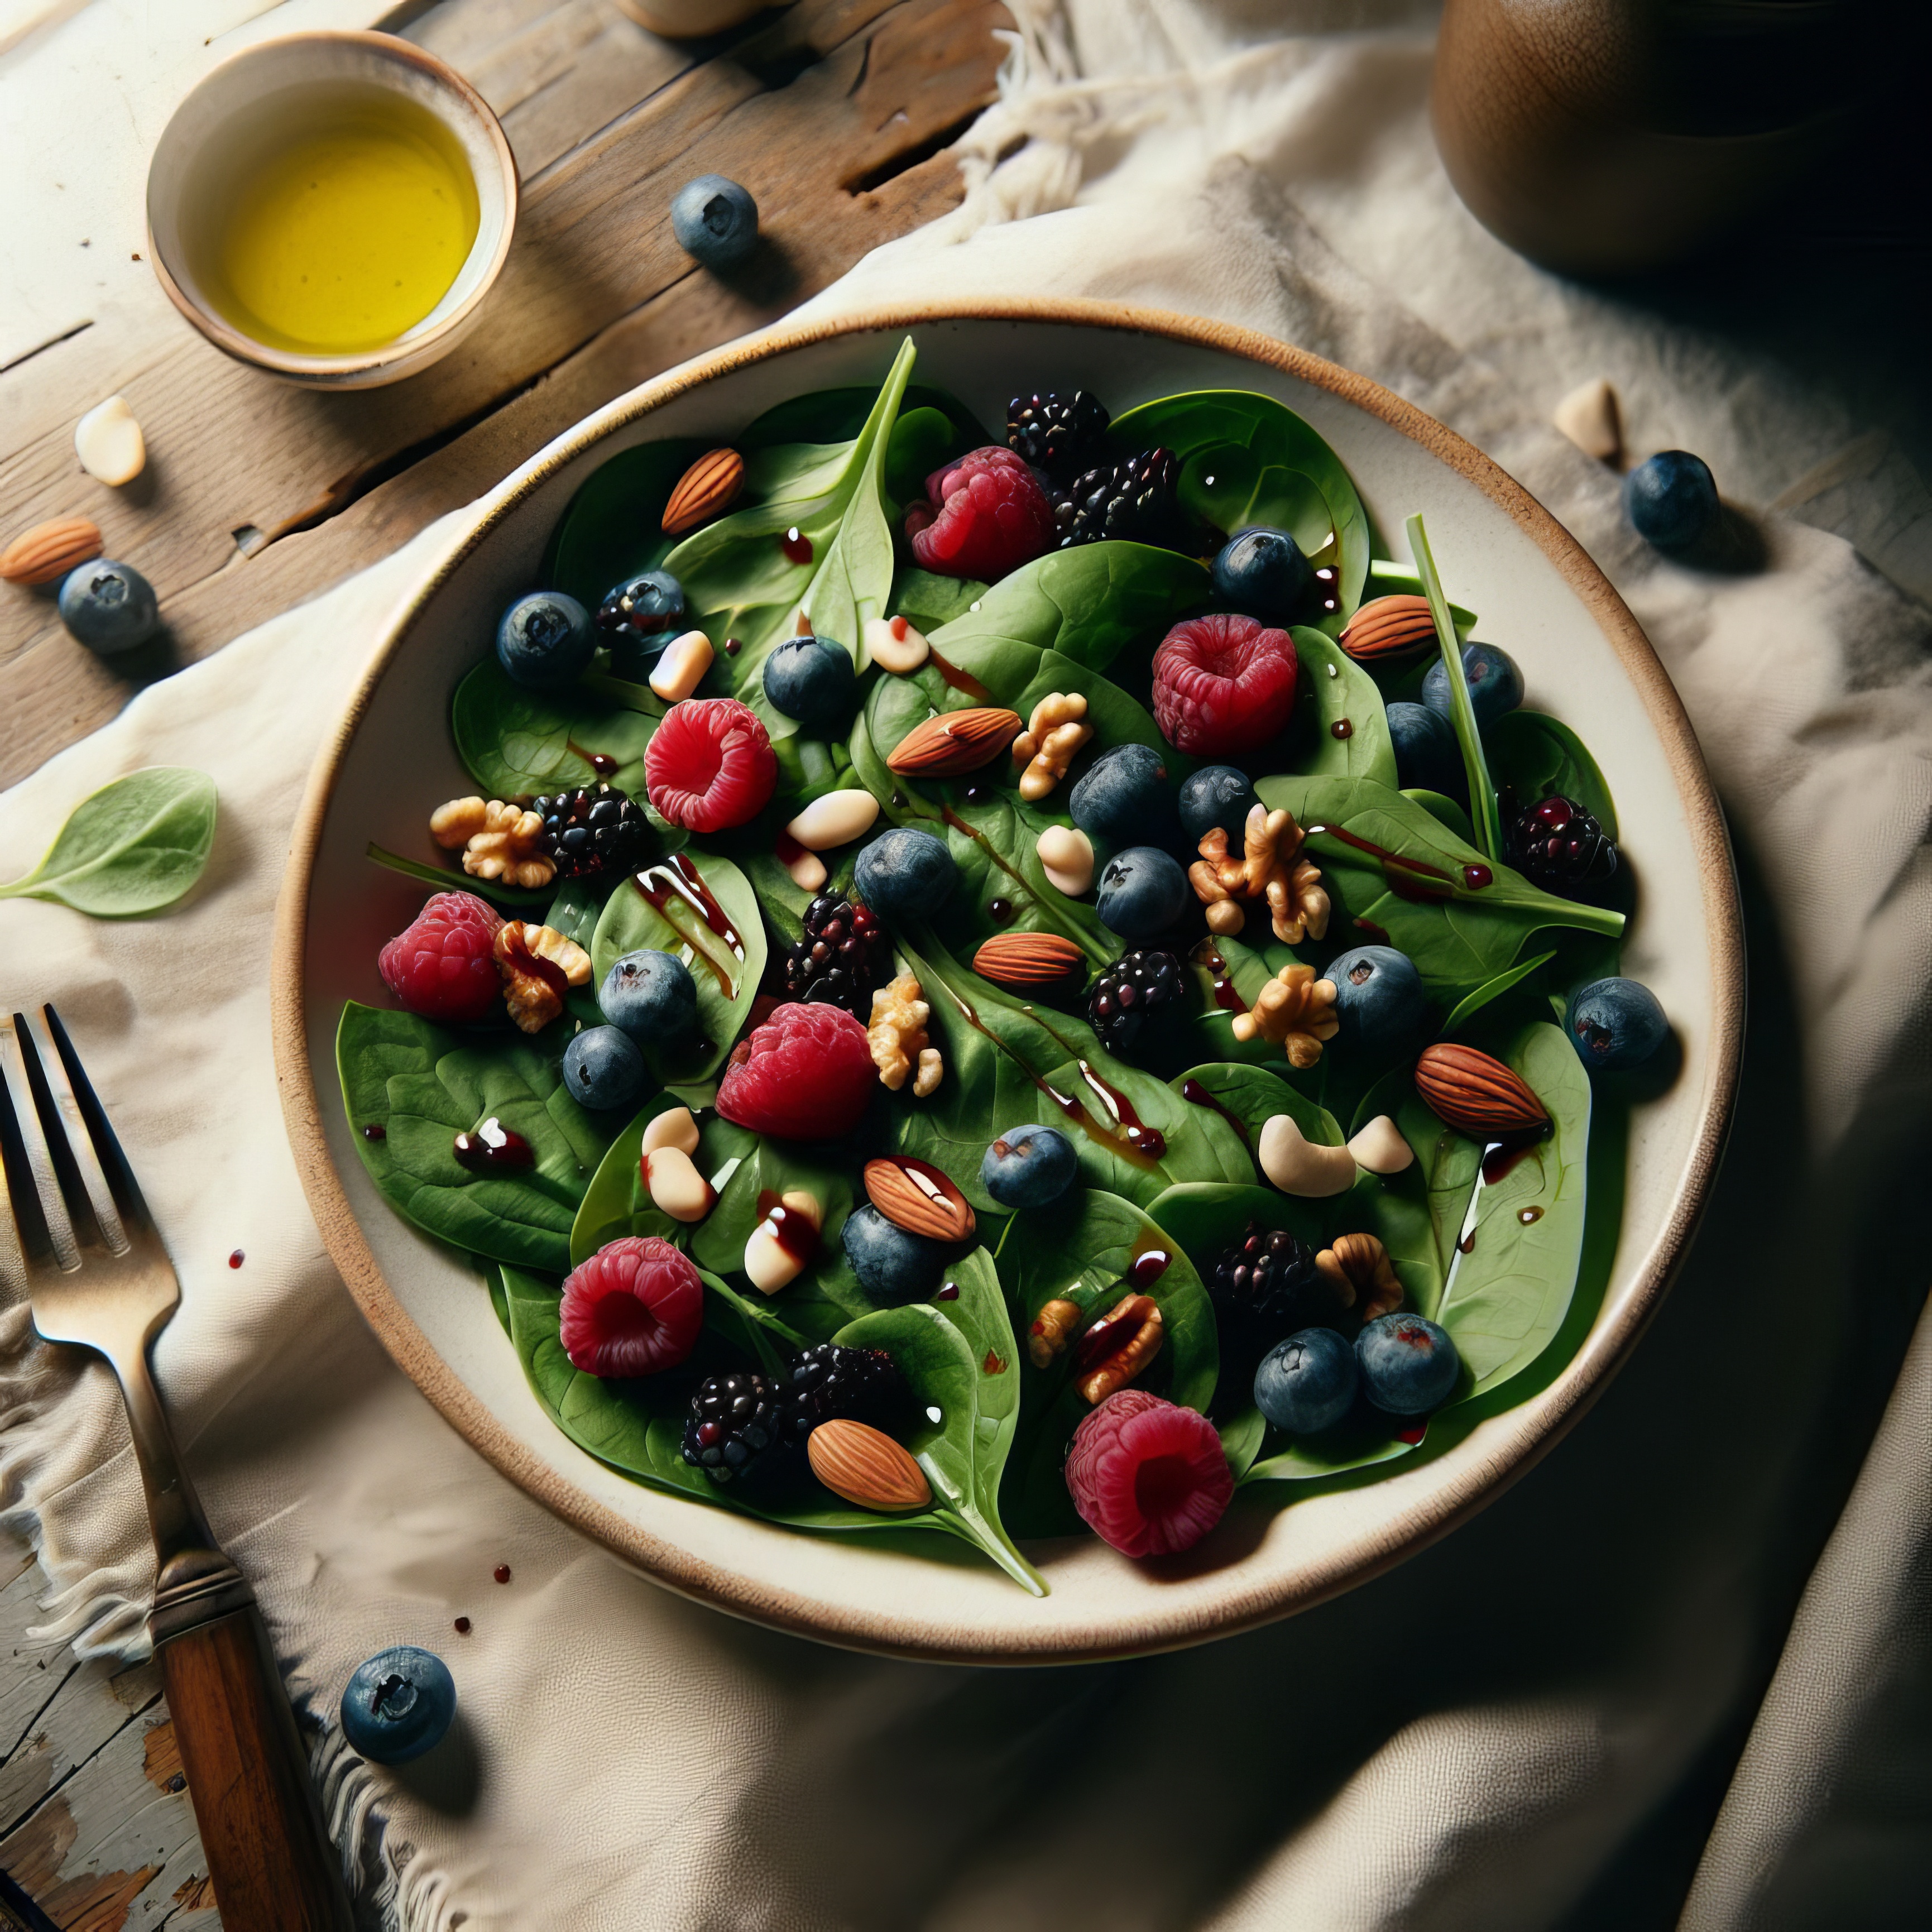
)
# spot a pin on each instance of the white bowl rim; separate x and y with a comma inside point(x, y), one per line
point(1531, 1432)
point(406, 353)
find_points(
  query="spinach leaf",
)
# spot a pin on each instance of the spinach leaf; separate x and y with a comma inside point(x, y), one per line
point(1445, 809)
point(516, 742)
point(131, 848)
point(1349, 1445)
point(1246, 459)
point(1462, 711)
point(725, 968)
point(837, 416)
point(610, 531)
point(617, 1202)
point(1088, 603)
point(1533, 755)
point(1081, 1249)
point(1340, 728)
point(1494, 989)
point(1411, 883)
point(1514, 1265)
point(921, 442)
point(423, 1086)
point(930, 601)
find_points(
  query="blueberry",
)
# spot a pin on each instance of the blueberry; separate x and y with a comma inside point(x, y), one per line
point(638, 620)
point(813, 680)
point(1379, 1002)
point(1672, 500)
point(1125, 798)
point(1143, 891)
point(398, 1705)
point(1216, 795)
point(1495, 685)
point(545, 640)
point(652, 997)
point(905, 874)
point(1407, 1366)
point(1615, 1024)
point(716, 220)
point(603, 1068)
point(1427, 757)
point(893, 1266)
point(1263, 572)
point(1307, 1383)
point(110, 607)
point(1029, 1166)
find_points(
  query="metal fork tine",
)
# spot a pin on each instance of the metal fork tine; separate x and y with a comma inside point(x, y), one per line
point(33, 1190)
point(84, 1135)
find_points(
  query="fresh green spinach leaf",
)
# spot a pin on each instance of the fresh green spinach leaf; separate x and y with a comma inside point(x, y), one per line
point(516, 742)
point(1462, 711)
point(1340, 728)
point(133, 847)
point(1533, 755)
point(610, 532)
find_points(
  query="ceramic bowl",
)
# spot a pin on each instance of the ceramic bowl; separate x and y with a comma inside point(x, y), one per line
point(231, 115)
point(390, 763)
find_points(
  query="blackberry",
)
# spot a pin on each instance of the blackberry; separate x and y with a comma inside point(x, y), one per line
point(1133, 500)
point(829, 1381)
point(832, 964)
point(1266, 1284)
point(587, 833)
point(736, 1424)
point(1135, 985)
point(1561, 848)
point(1054, 431)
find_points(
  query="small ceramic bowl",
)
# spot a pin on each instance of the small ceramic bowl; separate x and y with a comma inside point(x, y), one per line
point(229, 122)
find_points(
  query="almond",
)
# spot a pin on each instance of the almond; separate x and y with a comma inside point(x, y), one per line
point(1027, 959)
point(49, 551)
point(711, 484)
point(1477, 1094)
point(866, 1467)
point(1386, 628)
point(919, 1199)
point(955, 741)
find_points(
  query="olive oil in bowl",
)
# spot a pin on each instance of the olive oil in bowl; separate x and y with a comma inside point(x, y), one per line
point(348, 222)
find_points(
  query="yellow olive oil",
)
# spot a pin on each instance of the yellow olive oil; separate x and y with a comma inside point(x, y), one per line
point(344, 234)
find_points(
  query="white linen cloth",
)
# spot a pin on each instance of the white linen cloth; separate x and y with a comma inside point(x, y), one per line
point(1531, 1725)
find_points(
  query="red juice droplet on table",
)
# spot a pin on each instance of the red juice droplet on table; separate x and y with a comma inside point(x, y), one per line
point(463, 1626)
point(236, 1259)
point(502, 1572)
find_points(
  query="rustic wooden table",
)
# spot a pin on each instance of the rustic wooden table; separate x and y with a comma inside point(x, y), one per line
point(837, 114)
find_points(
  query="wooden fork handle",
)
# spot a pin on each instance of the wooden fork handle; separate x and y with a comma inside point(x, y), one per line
point(270, 1862)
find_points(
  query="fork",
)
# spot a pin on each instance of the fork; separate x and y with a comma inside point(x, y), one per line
point(86, 1250)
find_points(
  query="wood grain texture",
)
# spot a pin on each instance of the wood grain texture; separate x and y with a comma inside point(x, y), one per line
point(259, 495)
point(272, 1867)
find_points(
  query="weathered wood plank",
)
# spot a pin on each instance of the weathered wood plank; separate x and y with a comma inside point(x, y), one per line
point(91, 1703)
point(831, 94)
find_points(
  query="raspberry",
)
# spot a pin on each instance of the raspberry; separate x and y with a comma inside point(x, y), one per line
point(1149, 1477)
point(635, 1307)
point(1222, 684)
point(988, 515)
point(806, 1075)
point(441, 966)
point(710, 765)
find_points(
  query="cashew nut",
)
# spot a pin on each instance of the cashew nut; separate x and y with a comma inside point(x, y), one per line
point(1297, 1166)
point(1380, 1148)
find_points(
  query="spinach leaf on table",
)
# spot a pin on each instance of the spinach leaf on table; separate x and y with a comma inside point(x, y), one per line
point(726, 978)
point(516, 742)
point(423, 1085)
point(133, 847)
point(1246, 459)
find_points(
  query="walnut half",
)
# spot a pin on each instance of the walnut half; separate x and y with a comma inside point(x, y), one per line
point(498, 840)
point(898, 1039)
point(539, 965)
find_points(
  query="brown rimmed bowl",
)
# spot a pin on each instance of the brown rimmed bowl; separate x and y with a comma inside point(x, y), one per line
point(389, 763)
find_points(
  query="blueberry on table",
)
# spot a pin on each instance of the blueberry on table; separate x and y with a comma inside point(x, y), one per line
point(1124, 798)
point(1615, 1024)
point(812, 679)
point(1029, 1166)
point(1379, 1001)
point(893, 1266)
point(398, 1705)
point(111, 607)
point(544, 640)
point(1671, 500)
point(716, 220)
point(1427, 757)
point(1307, 1384)
point(1496, 685)
point(652, 997)
point(603, 1068)
point(1262, 572)
point(1143, 891)
point(1218, 795)
point(1408, 1366)
point(905, 874)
